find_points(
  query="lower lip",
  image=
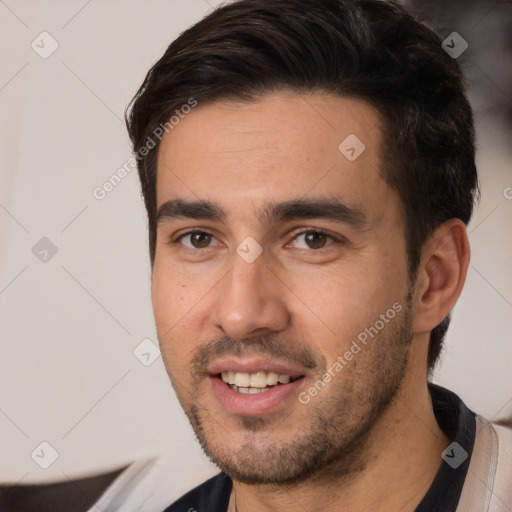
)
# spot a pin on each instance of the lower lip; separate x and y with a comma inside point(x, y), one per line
point(256, 404)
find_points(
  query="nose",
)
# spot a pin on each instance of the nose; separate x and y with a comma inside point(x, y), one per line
point(251, 300)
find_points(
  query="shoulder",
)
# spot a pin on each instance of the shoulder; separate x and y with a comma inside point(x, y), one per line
point(496, 438)
point(212, 495)
point(503, 433)
point(487, 485)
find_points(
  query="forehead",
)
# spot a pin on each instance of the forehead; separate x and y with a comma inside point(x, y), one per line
point(283, 146)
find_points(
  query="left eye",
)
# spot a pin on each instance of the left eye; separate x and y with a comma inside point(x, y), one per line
point(313, 240)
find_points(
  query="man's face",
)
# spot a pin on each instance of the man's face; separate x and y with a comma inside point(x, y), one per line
point(297, 261)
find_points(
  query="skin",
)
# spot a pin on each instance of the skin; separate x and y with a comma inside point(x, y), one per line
point(372, 427)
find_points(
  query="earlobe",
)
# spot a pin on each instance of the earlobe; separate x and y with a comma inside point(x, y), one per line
point(442, 273)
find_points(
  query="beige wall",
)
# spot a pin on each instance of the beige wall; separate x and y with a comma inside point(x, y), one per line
point(69, 325)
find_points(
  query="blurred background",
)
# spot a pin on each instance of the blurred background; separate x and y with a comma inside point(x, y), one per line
point(80, 368)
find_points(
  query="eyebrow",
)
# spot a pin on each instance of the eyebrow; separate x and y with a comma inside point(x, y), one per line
point(332, 209)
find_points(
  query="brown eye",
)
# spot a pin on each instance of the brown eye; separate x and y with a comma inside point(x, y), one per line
point(315, 240)
point(196, 240)
point(200, 240)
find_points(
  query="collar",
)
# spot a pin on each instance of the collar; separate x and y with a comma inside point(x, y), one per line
point(459, 424)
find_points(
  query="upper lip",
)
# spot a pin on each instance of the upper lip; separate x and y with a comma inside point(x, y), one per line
point(254, 365)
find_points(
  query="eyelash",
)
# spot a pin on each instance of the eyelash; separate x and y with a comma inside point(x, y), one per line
point(336, 239)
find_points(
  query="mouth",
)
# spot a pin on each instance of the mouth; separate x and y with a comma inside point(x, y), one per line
point(255, 387)
point(253, 383)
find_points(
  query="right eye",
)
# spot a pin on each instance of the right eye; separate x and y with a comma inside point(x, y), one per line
point(196, 239)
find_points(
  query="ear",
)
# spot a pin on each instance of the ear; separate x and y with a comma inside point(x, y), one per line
point(441, 274)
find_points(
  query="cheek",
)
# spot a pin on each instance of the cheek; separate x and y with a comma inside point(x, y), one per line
point(172, 307)
point(173, 295)
point(181, 304)
point(335, 307)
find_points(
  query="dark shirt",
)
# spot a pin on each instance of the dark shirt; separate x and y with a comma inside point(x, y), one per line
point(454, 419)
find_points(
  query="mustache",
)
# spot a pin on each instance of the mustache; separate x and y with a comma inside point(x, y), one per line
point(264, 346)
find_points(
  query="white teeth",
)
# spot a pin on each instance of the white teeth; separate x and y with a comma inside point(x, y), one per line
point(258, 381)
point(248, 391)
point(228, 377)
point(242, 380)
point(272, 378)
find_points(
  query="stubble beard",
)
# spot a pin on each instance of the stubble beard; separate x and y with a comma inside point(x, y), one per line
point(339, 420)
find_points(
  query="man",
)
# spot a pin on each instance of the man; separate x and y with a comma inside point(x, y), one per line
point(308, 172)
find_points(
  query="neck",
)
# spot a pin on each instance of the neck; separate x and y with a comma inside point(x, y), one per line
point(397, 464)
